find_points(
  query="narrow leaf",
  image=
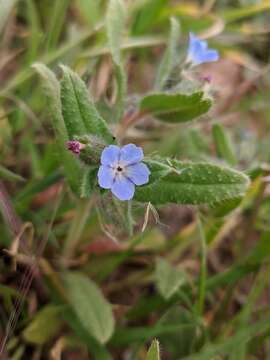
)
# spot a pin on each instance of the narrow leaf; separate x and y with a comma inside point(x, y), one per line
point(126, 336)
point(168, 279)
point(147, 16)
point(176, 107)
point(115, 25)
point(240, 13)
point(52, 91)
point(90, 306)
point(56, 22)
point(9, 175)
point(192, 183)
point(170, 57)
point(153, 352)
point(223, 144)
point(224, 348)
point(79, 112)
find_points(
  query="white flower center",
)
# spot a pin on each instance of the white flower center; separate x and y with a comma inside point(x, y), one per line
point(119, 169)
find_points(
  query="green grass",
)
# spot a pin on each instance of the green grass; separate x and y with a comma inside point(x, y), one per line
point(91, 270)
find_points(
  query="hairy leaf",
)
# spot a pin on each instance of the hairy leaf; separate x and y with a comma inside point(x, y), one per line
point(90, 306)
point(52, 90)
point(88, 181)
point(153, 352)
point(79, 112)
point(176, 107)
point(170, 57)
point(192, 183)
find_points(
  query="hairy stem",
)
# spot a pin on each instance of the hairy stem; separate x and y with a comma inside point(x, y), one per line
point(203, 269)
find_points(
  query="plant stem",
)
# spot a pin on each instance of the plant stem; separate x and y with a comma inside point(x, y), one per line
point(129, 218)
point(203, 269)
point(77, 227)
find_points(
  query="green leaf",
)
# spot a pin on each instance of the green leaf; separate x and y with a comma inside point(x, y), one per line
point(90, 306)
point(224, 348)
point(19, 352)
point(188, 337)
point(130, 43)
point(6, 7)
point(176, 107)
point(88, 181)
point(126, 336)
point(158, 168)
point(9, 175)
point(261, 250)
point(56, 22)
point(52, 90)
point(79, 112)
point(34, 39)
point(44, 326)
point(192, 183)
point(148, 15)
point(170, 57)
point(97, 350)
point(168, 279)
point(223, 144)
point(237, 14)
point(115, 25)
point(153, 352)
point(90, 10)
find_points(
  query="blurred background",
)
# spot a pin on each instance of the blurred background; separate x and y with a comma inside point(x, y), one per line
point(146, 285)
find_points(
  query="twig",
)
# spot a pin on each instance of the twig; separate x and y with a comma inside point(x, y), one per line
point(127, 121)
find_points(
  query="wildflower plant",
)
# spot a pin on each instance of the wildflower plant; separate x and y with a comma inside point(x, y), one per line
point(101, 160)
point(118, 168)
point(119, 156)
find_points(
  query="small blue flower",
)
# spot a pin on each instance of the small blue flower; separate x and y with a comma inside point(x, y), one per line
point(198, 51)
point(121, 169)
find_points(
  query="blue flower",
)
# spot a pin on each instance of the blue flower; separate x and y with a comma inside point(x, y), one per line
point(199, 53)
point(121, 169)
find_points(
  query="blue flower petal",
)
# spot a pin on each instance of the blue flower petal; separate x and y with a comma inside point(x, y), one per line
point(210, 55)
point(138, 173)
point(123, 188)
point(198, 52)
point(105, 177)
point(131, 154)
point(194, 46)
point(203, 45)
point(110, 155)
